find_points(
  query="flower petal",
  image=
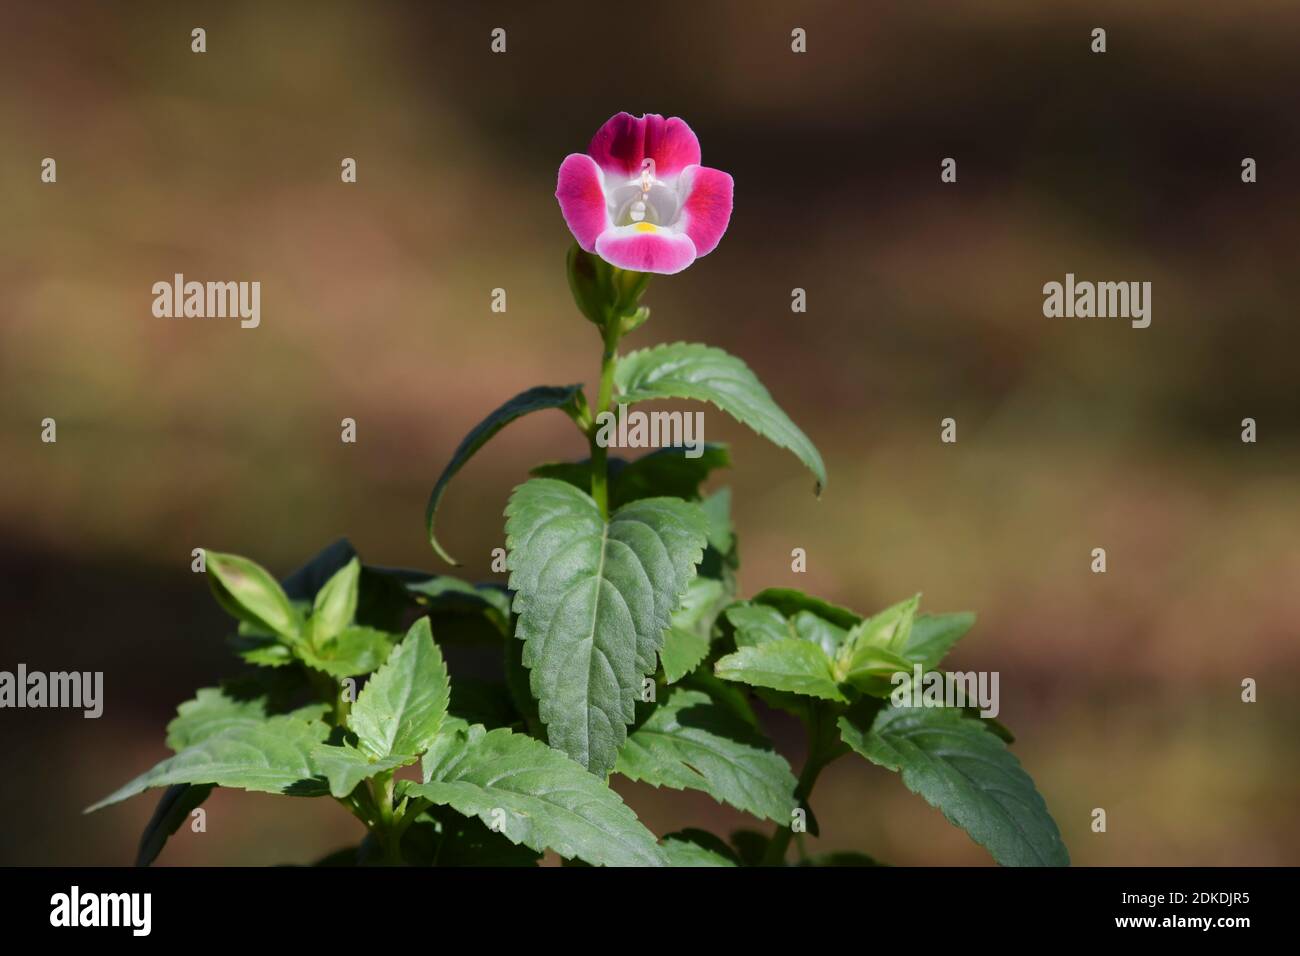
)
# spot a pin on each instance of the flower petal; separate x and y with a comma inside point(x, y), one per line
point(625, 140)
point(706, 206)
point(642, 247)
point(581, 192)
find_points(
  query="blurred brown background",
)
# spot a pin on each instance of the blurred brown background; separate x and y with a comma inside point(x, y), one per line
point(924, 302)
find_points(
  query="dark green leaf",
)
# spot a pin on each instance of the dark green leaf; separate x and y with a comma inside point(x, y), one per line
point(174, 808)
point(667, 472)
point(533, 400)
point(304, 583)
point(463, 612)
point(966, 772)
point(454, 840)
point(790, 602)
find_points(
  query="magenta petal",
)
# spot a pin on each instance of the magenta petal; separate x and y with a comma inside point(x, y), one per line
point(661, 250)
point(625, 140)
point(582, 199)
point(706, 206)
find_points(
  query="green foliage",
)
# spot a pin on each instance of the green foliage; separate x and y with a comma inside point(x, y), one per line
point(690, 743)
point(533, 400)
point(403, 705)
point(534, 795)
point(622, 648)
point(594, 597)
point(707, 374)
point(966, 771)
point(698, 848)
point(177, 803)
point(248, 592)
point(273, 756)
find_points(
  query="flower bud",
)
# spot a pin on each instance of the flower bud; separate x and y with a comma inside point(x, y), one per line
point(605, 293)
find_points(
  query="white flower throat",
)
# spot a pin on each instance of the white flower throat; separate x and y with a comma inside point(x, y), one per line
point(644, 199)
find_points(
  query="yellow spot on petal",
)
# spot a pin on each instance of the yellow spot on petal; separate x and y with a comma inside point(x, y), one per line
point(645, 227)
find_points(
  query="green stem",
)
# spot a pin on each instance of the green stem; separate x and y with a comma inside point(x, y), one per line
point(821, 751)
point(600, 454)
point(387, 832)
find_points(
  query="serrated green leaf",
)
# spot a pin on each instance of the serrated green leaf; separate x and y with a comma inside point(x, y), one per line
point(692, 847)
point(683, 370)
point(686, 642)
point(594, 599)
point(402, 706)
point(791, 664)
point(691, 743)
point(269, 757)
point(336, 603)
point(966, 772)
point(174, 808)
point(819, 631)
point(248, 592)
point(533, 400)
point(215, 709)
point(533, 795)
point(263, 651)
point(756, 624)
point(345, 766)
point(211, 711)
point(352, 652)
point(933, 635)
point(682, 652)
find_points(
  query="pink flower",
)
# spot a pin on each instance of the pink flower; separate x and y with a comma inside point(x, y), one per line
point(640, 199)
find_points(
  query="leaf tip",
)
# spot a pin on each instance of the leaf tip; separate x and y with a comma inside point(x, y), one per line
point(441, 551)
